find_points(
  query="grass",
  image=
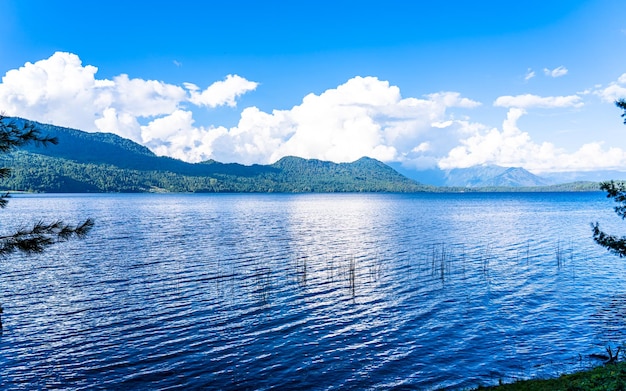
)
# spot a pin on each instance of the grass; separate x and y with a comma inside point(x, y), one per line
point(609, 377)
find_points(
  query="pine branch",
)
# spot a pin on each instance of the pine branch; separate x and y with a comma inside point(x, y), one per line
point(42, 235)
point(614, 244)
point(617, 191)
point(5, 172)
point(4, 200)
point(13, 136)
point(621, 103)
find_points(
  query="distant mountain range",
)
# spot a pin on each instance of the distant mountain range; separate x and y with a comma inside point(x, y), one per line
point(488, 176)
point(478, 176)
point(104, 162)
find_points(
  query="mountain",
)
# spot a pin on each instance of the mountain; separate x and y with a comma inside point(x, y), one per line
point(103, 162)
point(493, 176)
point(107, 148)
point(477, 176)
point(365, 174)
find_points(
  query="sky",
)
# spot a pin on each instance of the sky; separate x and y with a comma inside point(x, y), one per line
point(423, 84)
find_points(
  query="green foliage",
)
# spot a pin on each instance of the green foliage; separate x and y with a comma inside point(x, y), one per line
point(40, 173)
point(614, 244)
point(311, 175)
point(32, 240)
point(12, 135)
point(616, 191)
point(36, 239)
point(608, 377)
point(622, 105)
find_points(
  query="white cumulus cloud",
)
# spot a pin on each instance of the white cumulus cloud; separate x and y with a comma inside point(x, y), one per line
point(62, 91)
point(362, 117)
point(55, 90)
point(512, 147)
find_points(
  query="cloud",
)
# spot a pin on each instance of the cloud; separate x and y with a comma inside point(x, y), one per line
point(511, 147)
point(60, 90)
point(534, 101)
point(50, 90)
point(221, 93)
point(529, 74)
point(362, 117)
point(614, 91)
point(556, 72)
point(144, 98)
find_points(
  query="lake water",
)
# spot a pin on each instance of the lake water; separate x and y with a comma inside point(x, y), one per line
point(330, 291)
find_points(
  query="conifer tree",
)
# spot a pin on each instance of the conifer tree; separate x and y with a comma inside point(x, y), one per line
point(616, 191)
point(41, 235)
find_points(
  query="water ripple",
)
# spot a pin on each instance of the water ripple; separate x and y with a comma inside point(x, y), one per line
point(311, 291)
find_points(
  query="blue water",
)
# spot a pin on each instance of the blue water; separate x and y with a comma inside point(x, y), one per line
point(336, 291)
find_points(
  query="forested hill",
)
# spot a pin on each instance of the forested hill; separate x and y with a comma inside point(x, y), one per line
point(103, 162)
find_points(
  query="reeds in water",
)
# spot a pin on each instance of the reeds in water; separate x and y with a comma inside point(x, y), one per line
point(563, 253)
point(263, 280)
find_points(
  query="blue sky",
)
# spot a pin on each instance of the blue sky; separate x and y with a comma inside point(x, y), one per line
point(448, 84)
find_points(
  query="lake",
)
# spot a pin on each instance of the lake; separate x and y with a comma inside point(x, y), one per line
point(311, 291)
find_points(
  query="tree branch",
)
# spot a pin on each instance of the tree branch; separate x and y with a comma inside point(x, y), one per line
point(42, 235)
point(621, 103)
point(614, 244)
point(13, 136)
